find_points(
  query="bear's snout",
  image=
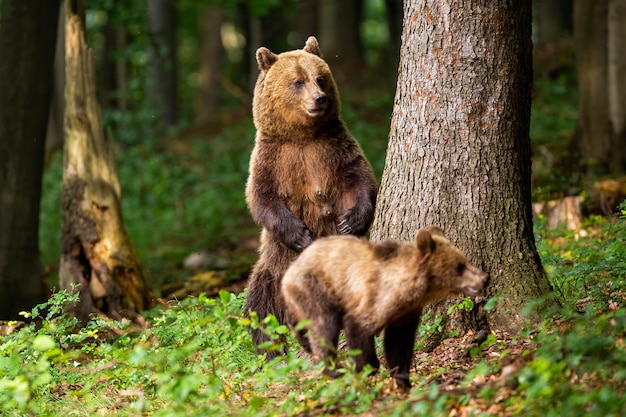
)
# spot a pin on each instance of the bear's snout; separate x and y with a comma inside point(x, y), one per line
point(474, 281)
point(320, 99)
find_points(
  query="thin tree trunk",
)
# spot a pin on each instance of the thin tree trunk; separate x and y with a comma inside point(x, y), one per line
point(393, 14)
point(54, 133)
point(27, 39)
point(162, 87)
point(593, 131)
point(599, 144)
point(616, 34)
point(340, 37)
point(211, 20)
point(308, 20)
point(459, 148)
point(553, 19)
point(95, 250)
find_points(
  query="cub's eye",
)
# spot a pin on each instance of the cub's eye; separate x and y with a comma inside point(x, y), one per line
point(460, 268)
point(298, 83)
point(320, 80)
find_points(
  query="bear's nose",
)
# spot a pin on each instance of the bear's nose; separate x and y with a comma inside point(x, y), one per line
point(320, 99)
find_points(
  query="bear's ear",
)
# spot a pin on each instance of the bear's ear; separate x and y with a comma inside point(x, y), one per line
point(425, 244)
point(265, 58)
point(311, 46)
point(435, 231)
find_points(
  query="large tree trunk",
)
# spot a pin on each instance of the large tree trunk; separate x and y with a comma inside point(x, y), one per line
point(27, 38)
point(600, 137)
point(459, 148)
point(162, 82)
point(95, 250)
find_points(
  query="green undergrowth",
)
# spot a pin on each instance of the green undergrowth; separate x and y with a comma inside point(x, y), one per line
point(196, 358)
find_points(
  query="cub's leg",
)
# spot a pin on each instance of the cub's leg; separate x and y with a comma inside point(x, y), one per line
point(359, 337)
point(301, 335)
point(323, 337)
point(399, 344)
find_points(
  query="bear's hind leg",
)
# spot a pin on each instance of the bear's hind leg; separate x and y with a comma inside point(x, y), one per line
point(399, 343)
point(264, 298)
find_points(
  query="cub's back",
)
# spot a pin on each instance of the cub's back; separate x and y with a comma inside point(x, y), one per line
point(343, 268)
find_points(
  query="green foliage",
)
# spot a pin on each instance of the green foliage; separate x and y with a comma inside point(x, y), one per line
point(195, 359)
point(578, 366)
point(579, 371)
point(28, 357)
point(587, 267)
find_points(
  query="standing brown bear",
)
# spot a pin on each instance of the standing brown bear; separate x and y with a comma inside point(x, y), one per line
point(365, 287)
point(308, 175)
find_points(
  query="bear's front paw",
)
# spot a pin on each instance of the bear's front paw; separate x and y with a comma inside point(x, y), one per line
point(343, 226)
point(351, 224)
point(299, 239)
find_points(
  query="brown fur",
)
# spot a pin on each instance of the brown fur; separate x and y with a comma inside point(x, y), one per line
point(364, 287)
point(308, 176)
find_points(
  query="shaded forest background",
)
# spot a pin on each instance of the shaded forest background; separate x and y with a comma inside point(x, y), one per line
point(175, 82)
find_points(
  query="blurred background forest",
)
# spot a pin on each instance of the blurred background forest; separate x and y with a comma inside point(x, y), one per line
point(175, 82)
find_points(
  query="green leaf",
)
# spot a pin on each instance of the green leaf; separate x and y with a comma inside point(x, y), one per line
point(491, 303)
point(43, 343)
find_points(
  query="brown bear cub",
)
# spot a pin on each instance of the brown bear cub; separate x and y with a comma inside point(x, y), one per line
point(365, 287)
point(308, 176)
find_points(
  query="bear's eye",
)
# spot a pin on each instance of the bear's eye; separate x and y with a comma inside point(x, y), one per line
point(298, 83)
point(460, 268)
point(320, 80)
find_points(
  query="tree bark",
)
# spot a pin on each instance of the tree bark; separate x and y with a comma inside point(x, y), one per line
point(95, 250)
point(27, 38)
point(162, 82)
point(459, 148)
point(599, 142)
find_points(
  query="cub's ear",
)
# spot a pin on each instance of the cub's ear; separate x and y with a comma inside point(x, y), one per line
point(425, 244)
point(311, 46)
point(265, 58)
point(435, 231)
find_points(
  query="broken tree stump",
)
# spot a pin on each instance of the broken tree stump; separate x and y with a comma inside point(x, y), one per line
point(566, 211)
point(97, 258)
